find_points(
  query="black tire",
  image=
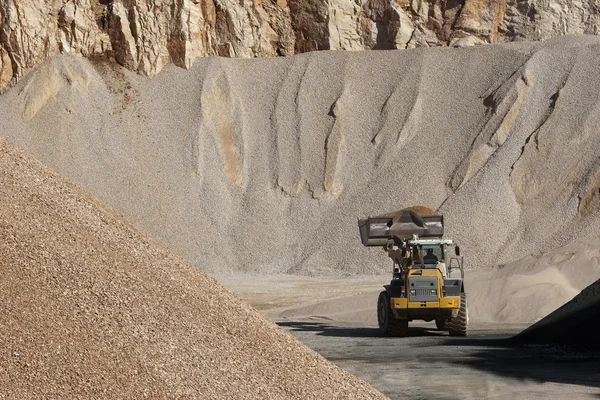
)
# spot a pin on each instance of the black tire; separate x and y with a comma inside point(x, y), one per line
point(440, 324)
point(458, 326)
point(388, 324)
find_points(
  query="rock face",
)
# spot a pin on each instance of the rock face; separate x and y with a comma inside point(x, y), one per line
point(32, 30)
point(145, 35)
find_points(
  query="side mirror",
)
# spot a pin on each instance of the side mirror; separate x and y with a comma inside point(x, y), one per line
point(457, 250)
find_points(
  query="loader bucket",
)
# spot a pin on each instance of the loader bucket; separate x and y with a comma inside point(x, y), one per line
point(377, 231)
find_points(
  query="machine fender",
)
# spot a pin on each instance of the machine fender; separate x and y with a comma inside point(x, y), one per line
point(388, 289)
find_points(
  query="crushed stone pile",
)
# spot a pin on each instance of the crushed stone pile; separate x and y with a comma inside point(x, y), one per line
point(264, 165)
point(90, 307)
point(575, 323)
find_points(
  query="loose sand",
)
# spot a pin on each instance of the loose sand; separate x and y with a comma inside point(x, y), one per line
point(92, 308)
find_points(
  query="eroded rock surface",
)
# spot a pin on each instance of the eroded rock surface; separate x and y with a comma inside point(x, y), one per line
point(146, 35)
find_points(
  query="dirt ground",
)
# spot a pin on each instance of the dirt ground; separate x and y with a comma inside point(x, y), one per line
point(427, 364)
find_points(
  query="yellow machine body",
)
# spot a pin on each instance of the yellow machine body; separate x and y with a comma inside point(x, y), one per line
point(445, 306)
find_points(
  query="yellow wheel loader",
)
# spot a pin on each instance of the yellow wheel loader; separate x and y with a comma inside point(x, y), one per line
point(427, 282)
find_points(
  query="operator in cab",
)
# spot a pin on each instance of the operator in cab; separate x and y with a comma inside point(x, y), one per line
point(430, 258)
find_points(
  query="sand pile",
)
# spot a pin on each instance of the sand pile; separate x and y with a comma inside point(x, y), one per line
point(528, 289)
point(264, 165)
point(92, 308)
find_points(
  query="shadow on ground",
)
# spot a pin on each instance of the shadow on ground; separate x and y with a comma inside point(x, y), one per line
point(490, 351)
point(564, 364)
point(324, 329)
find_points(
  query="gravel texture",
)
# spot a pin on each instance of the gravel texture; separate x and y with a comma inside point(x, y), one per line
point(575, 323)
point(90, 307)
point(264, 165)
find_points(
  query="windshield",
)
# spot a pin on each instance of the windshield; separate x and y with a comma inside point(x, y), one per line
point(429, 253)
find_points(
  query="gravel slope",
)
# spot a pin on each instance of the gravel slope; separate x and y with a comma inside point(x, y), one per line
point(92, 308)
point(575, 323)
point(264, 165)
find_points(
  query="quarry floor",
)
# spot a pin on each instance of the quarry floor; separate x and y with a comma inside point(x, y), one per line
point(427, 364)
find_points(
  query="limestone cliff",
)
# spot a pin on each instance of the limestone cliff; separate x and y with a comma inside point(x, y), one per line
point(145, 35)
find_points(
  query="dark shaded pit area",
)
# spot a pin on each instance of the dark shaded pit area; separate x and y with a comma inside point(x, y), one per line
point(575, 324)
point(428, 364)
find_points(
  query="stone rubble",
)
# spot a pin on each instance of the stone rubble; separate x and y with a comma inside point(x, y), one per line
point(90, 307)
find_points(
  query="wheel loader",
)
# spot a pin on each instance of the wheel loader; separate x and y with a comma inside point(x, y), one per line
point(427, 282)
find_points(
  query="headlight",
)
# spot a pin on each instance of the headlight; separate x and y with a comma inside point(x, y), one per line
point(433, 291)
point(413, 291)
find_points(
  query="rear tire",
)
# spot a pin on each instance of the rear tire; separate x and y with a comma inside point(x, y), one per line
point(388, 323)
point(458, 326)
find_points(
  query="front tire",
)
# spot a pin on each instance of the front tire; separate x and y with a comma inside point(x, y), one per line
point(388, 323)
point(458, 326)
point(440, 324)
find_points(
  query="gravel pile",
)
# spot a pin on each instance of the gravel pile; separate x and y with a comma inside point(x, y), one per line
point(575, 323)
point(263, 166)
point(92, 308)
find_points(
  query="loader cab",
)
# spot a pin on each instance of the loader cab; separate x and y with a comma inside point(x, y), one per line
point(428, 255)
point(431, 254)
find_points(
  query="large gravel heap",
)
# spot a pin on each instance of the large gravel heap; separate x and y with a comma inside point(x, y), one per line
point(264, 165)
point(92, 308)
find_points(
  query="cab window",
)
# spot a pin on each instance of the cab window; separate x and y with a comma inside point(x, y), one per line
point(432, 253)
